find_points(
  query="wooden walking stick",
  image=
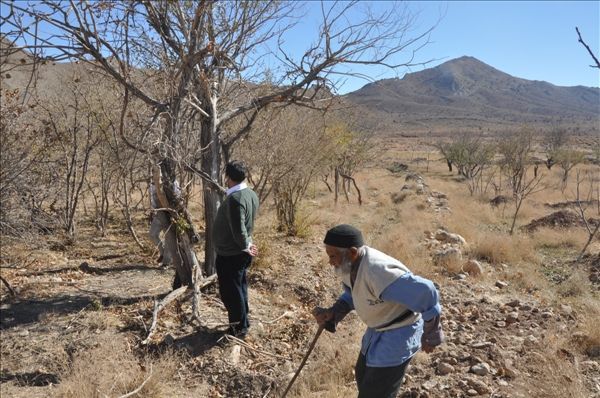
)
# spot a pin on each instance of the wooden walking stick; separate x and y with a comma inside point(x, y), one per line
point(310, 348)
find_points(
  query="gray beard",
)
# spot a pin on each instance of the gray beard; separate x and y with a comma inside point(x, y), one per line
point(344, 269)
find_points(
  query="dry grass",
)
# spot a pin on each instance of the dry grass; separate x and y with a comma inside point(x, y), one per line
point(330, 371)
point(559, 238)
point(111, 369)
point(553, 374)
point(499, 248)
point(588, 341)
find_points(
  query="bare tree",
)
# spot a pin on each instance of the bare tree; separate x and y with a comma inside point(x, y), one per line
point(581, 206)
point(554, 140)
point(445, 149)
point(589, 50)
point(350, 149)
point(193, 63)
point(516, 151)
point(471, 156)
point(567, 159)
point(23, 170)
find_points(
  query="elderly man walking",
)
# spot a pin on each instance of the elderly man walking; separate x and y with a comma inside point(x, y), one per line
point(232, 235)
point(401, 310)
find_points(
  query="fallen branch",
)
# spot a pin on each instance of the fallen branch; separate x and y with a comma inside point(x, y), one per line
point(250, 347)
point(159, 306)
point(10, 289)
point(175, 294)
point(137, 390)
point(286, 314)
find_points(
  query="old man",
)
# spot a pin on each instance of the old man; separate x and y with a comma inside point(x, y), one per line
point(401, 310)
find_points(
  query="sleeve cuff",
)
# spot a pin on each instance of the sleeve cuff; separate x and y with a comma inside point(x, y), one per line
point(431, 313)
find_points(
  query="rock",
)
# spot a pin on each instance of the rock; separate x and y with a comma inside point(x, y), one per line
point(502, 383)
point(451, 361)
point(473, 267)
point(547, 314)
point(479, 386)
point(514, 303)
point(447, 256)
point(590, 366)
point(530, 341)
point(501, 324)
point(447, 237)
point(512, 317)
point(429, 385)
point(525, 307)
point(414, 177)
point(507, 369)
point(481, 369)
point(566, 309)
point(501, 285)
point(483, 344)
point(471, 392)
point(460, 277)
point(445, 368)
point(234, 355)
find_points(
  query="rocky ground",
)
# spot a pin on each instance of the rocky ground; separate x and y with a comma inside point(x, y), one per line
point(74, 305)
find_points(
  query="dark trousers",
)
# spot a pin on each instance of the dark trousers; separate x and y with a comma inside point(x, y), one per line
point(233, 288)
point(378, 382)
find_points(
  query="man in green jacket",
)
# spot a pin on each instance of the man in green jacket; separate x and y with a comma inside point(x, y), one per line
point(232, 234)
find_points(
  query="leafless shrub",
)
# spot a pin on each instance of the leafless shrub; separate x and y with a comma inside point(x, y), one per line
point(516, 152)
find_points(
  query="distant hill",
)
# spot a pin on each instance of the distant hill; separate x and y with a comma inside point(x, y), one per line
point(463, 94)
point(467, 94)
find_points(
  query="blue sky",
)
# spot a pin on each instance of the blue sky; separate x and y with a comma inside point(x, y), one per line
point(534, 40)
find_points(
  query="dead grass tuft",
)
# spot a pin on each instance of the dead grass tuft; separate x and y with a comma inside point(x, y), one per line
point(111, 369)
point(331, 374)
point(587, 339)
point(554, 238)
point(553, 374)
point(576, 285)
point(499, 248)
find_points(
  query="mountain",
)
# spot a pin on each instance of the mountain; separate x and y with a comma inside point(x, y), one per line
point(467, 94)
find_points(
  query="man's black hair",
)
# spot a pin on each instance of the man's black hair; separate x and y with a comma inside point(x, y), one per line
point(236, 170)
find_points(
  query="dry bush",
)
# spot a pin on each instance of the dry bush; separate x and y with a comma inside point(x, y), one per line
point(304, 221)
point(588, 340)
point(467, 214)
point(398, 197)
point(266, 253)
point(330, 373)
point(559, 238)
point(553, 375)
point(576, 285)
point(403, 240)
point(496, 248)
point(111, 369)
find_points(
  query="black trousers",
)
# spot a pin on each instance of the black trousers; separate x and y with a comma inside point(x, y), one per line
point(378, 382)
point(233, 288)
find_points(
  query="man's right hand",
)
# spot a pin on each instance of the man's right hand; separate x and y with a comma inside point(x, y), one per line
point(325, 317)
point(253, 250)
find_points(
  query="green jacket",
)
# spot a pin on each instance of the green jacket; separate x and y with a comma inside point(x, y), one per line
point(232, 232)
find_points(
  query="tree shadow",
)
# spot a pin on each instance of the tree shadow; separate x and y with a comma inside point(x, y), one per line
point(199, 342)
point(34, 379)
point(32, 311)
